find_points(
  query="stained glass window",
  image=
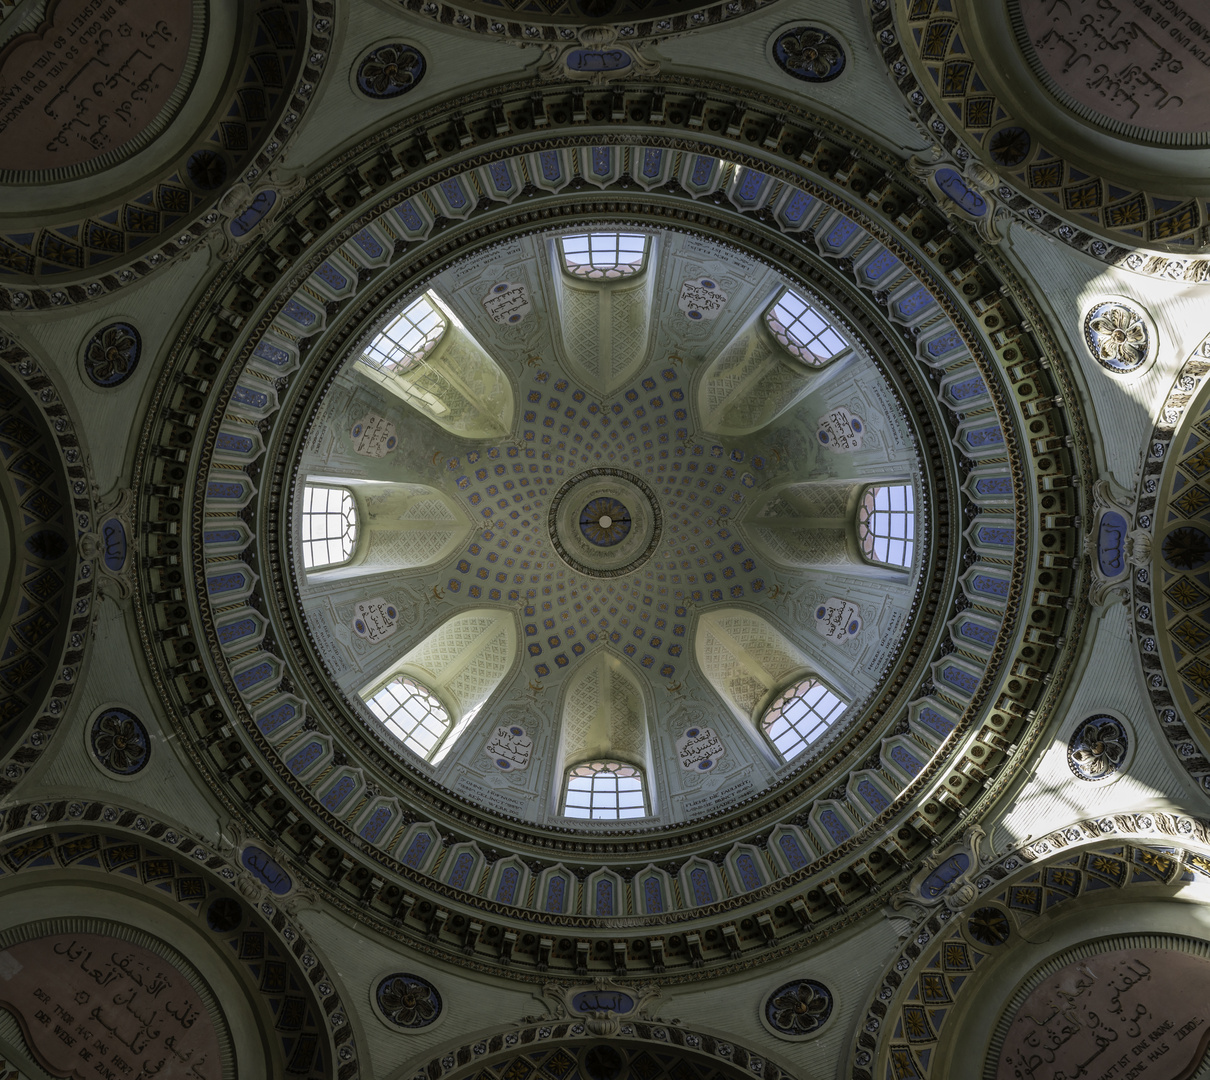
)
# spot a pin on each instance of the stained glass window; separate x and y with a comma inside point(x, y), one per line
point(329, 526)
point(412, 713)
point(886, 524)
point(604, 256)
point(604, 790)
point(803, 330)
point(799, 716)
point(408, 337)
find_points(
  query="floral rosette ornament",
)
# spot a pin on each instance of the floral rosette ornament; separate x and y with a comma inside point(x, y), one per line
point(408, 1001)
point(120, 742)
point(390, 70)
point(1098, 748)
point(808, 53)
point(799, 1008)
point(1117, 337)
point(111, 354)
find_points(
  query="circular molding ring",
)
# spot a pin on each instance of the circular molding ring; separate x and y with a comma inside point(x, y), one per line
point(593, 479)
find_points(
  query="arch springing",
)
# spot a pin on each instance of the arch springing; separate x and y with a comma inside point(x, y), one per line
point(603, 256)
point(886, 524)
point(412, 713)
point(409, 336)
point(799, 715)
point(802, 330)
point(604, 790)
point(329, 526)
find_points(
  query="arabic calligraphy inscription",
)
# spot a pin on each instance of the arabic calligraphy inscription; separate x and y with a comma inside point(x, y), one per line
point(699, 749)
point(509, 748)
point(95, 1004)
point(90, 80)
point(1137, 1013)
point(375, 620)
point(507, 303)
point(1139, 64)
point(374, 436)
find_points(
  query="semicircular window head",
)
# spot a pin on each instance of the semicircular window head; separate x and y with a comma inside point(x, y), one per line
point(604, 791)
point(804, 330)
point(603, 256)
point(799, 715)
point(329, 526)
point(409, 336)
point(412, 713)
point(886, 524)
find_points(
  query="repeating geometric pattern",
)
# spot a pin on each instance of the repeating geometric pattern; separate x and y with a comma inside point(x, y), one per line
point(700, 560)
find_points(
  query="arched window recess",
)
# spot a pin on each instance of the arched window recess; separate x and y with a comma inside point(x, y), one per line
point(756, 669)
point(886, 524)
point(413, 713)
point(800, 715)
point(329, 526)
point(424, 355)
point(604, 746)
point(605, 294)
point(841, 525)
point(603, 256)
point(351, 526)
point(604, 791)
point(429, 698)
point(784, 351)
point(804, 331)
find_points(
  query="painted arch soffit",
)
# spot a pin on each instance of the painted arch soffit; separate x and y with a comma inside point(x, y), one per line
point(568, 20)
point(975, 906)
point(281, 972)
point(1038, 158)
point(188, 170)
point(995, 708)
point(58, 572)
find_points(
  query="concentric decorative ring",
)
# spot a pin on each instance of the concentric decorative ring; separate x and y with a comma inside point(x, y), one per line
point(601, 492)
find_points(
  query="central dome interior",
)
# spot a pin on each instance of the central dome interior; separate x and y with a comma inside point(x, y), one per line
point(607, 525)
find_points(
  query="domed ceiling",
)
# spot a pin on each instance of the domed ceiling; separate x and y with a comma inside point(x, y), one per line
point(608, 523)
point(592, 520)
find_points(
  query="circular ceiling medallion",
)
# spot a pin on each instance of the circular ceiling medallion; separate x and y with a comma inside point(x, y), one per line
point(112, 354)
point(605, 522)
point(1098, 748)
point(120, 742)
point(1143, 987)
point(809, 53)
point(989, 926)
point(83, 93)
point(798, 1009)
point(408, 1001)
point(1117, 336)
point(1136, 73)
point(390, 71)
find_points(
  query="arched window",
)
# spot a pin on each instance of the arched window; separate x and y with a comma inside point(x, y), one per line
point(329, 526)
point(803, 330)
point(604, 256)
point(412, 713)
point(799, 715)
point(604, 790)
point(409, 336)
point(886, 524)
